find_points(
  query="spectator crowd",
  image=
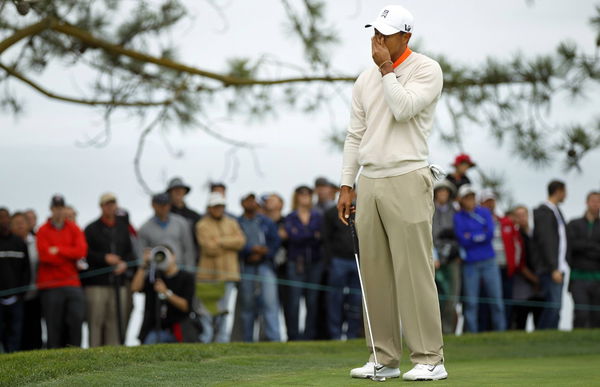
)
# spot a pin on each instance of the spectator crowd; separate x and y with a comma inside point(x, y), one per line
point(497, 267)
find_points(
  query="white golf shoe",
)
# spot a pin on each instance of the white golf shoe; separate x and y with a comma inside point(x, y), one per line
point(366, 371)
point(426, 372)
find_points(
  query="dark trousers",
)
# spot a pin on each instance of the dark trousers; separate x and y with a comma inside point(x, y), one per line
point(310, 274)
point(552, 294)
point(585, 293)
point(507, 294)
point(521, 312)
point(32, 325)
point(343, 303)
point(11, 325)
point(64, 311)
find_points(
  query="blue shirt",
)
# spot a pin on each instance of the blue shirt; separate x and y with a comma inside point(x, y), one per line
point(475, 232)
point(304, 240)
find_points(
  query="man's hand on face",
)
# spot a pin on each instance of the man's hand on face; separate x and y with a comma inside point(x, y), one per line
point(380, 52)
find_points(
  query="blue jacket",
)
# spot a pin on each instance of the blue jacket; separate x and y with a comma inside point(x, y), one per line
point(271, 237)
point(304, 240)
point(475, 231)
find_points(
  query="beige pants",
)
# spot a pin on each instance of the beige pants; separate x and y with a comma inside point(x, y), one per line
point(101, 307)
point(393, 221)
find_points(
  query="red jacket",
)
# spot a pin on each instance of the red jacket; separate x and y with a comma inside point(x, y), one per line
point(510, 237)
point(59, 270)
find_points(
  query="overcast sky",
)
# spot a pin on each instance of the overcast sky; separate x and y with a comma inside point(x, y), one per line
point(40, 157)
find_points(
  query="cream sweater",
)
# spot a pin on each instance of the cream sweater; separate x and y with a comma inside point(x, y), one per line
point(391, 119)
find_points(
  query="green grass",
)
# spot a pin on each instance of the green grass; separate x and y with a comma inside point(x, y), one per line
point(515, 358)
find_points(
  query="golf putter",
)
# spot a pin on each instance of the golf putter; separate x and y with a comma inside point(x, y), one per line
point(364, 299)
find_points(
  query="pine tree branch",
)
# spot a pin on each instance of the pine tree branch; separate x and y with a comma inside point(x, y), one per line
point(226, 80)
point(31, 30)
point(93, 102)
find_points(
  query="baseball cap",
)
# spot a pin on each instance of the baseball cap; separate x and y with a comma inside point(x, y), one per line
point(393, 19)
point(304, 189)
point(57, 201)
point(464, 190)
point(107, 197)
point(248, 195)
point(216, 199)
point(487, 194)
point(323, 181)
point(161, 199)
point(217, 184)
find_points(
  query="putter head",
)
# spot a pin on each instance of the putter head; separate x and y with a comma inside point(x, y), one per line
point(375, 377)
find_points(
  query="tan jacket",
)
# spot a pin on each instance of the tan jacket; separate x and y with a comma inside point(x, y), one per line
point(220, 241)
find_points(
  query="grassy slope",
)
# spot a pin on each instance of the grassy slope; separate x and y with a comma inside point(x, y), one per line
point(554, 358)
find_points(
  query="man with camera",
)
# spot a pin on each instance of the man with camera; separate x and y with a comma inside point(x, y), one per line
point(169, 295)
point(167, 228)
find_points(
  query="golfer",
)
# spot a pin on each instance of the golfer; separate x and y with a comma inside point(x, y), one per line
point(393, 105)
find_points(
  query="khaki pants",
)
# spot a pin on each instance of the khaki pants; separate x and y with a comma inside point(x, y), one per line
point(101, 307)
point(393, 222)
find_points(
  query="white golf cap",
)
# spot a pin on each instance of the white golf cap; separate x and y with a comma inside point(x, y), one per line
point(487, 194)
point(464, 190)
point(216, 199)
point(393, 19)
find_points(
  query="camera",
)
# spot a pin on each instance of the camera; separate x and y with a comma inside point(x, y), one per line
point(160, 257)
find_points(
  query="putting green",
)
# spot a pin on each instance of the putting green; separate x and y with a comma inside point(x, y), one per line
point(551, 358)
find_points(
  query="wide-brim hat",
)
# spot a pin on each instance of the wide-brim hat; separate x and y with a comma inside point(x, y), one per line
point(177, 182)
point(447, 184)
point(463, 158)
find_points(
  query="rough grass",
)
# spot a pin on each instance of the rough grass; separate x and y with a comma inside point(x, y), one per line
point(514, 358)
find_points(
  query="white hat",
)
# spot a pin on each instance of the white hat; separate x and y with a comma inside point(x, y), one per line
point(464, 190)
point(216, 199)
point(393, 19)
point(487, 194)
